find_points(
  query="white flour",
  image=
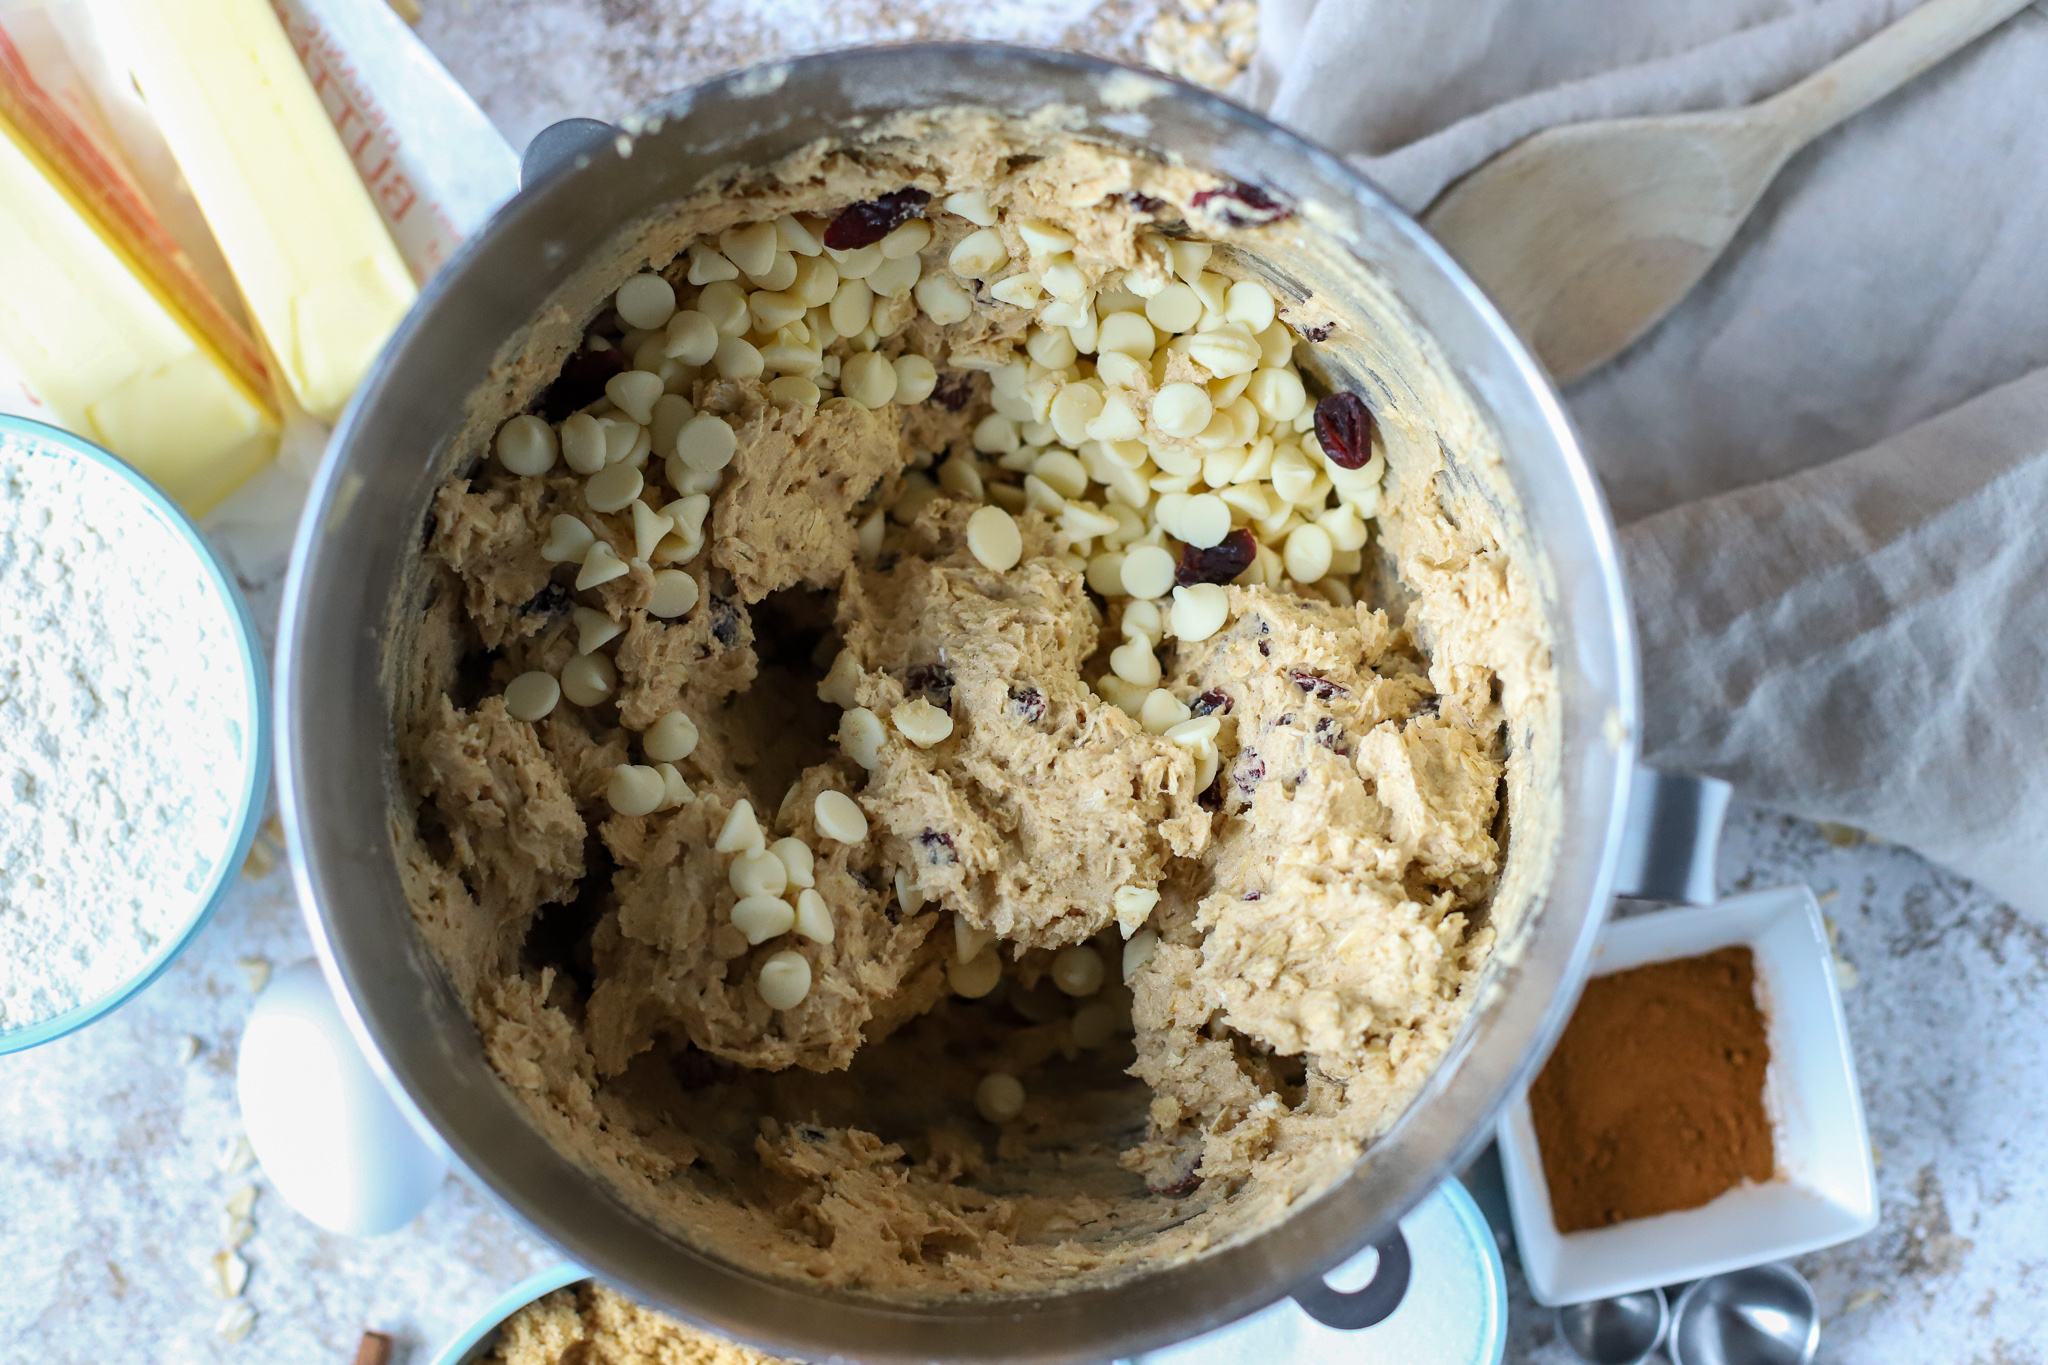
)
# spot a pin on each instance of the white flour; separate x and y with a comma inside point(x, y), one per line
point(121, 732)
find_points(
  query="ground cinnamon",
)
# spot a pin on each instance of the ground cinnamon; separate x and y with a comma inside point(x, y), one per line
point(1654, 1099)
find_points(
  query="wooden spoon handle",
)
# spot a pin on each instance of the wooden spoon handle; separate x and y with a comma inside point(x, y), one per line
point(1879, 65)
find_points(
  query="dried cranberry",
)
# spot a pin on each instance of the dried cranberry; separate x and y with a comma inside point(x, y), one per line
point(1321, 332)
point(1215, 699)
point(938, 848)
point(953, 391)
point(1187, 1184)
point(1243, 205)
point(725, 620)
point(1328, 732)
point(1265, 650)
point(1254, 895)
point(1344, 430)
point(1145, 203)
point(1220, 563)
point(934, 680)
point(859, 225)
point(580, 383)
point(1028, 703)
point(1322, 689)
point(553, 599)
point(1247, 772)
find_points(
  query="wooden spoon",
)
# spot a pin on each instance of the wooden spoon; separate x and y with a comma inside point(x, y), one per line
point(1586, 235)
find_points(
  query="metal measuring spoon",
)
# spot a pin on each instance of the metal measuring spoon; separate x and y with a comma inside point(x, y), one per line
point(1619, 1331)
point(1765, 1315)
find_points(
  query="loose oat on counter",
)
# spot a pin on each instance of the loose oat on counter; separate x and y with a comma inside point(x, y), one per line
point(944, 763)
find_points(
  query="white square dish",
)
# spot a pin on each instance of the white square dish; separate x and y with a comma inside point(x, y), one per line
point(1824, 1190)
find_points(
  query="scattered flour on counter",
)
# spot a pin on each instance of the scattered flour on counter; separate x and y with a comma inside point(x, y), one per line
point(122, 712)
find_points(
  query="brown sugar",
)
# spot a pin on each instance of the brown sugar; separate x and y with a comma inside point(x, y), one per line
point(1654, 1099)
point(588, 1324)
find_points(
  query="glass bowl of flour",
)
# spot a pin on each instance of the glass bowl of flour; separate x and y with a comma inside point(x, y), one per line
point(134, 732)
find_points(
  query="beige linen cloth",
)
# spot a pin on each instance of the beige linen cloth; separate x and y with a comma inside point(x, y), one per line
point(1830, 464)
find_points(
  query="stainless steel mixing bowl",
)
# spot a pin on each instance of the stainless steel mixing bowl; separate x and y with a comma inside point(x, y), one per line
point(363, 525)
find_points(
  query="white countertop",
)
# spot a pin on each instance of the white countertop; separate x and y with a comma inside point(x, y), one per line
point(110, 1196)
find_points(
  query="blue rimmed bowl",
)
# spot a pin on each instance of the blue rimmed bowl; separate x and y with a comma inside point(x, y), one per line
point(253, 726)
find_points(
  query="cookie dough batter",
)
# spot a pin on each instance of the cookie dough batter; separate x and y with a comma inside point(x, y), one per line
point(974, 732)
point(588, 1324)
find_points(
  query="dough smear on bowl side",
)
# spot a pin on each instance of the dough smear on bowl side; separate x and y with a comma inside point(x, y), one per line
point(946, 763)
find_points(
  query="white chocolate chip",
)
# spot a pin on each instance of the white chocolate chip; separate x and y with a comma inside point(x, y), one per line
point(1077, 971)
point(594, 629)
point(921, 723)
point(1204, 521)
point(625, 441)
point(600, 565)
point(909, 895)
point(797, 861)
point(1189, 258)
point(758, 874)
point(1250, 303)
point(1226, 351)
point(772, 310)
point(813, 916)
point(649, 527)
point(634, 392)
point(1019, 291)
point(1176, 308)
point(737, 359)
point(861, 736)
point(1135, 663)
point(916, 377)
point(690, 338)
point(741, 832)
point(673, 594)
point(817, 281)
point(1307, 553)
point(1095, 1024)
point(974, 977)
point(796, 235)
point(795, 392)
point(858, 263)
point(583, 443)
point(1199, 611)
point(969, 941)
point(569, 540)
point(1063, 280)
point(994, 540)
point(612, 488)
point(1193, 734)
point(708, 266)
point(530, 696)
point(1277, 393)
point(851, 307)
point(943, 301)
point(972, 205)
point(645, 301)
point(675, 791)
point(589, 679)
point(761, 918)
point(751, 247)
point(1148, 571)
point(671, 739)
point(1182, 409)
point(785, 980)
point(999, 1097)
point(706, 443)
point(1162, 711)
point(1139, 951)
point(780, 274)
point(868, 379)
point(526, 446)
point(978, 255)
point(634, 789)
point(1133, 905)
point(839, 817)
point(841, 681)
point(725, 303)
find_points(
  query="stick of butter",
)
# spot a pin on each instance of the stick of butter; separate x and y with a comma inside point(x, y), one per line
point(106, 355)
point(319, 272)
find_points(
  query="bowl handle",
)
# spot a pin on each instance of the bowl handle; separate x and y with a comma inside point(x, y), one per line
point(1669, 839)
point(560, 142)
point(1366, 1307)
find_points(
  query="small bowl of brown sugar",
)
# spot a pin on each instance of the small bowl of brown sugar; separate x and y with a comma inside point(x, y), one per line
point(1700, 1112)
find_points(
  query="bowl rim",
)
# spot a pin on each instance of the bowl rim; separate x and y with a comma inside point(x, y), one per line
point(255, 721)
